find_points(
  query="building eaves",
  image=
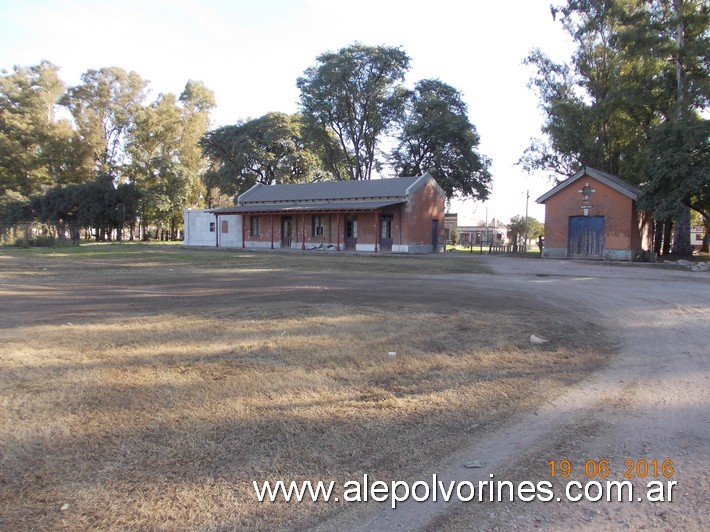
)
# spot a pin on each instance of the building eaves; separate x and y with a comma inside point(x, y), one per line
point(612, 181)
point(286, 207)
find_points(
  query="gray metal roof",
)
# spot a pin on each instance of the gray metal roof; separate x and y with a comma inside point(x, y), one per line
point(398, 187)
point(610, 180)
point(295, 207)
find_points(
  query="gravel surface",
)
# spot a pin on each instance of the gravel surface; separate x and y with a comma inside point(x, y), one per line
point(651, 403)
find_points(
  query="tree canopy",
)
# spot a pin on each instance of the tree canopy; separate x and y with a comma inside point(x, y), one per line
point(636, 84)
point(352, 102)
point(437, 136)
point(269, 150)
point(113, 137)
point(519, 225)
point(36, 150)
point(104, 106)
point(356, 94)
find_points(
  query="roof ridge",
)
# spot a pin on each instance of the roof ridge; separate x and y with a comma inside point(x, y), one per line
point(613, 181)
point(330, 190)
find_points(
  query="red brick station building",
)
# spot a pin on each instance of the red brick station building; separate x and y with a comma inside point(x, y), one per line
point(398, 215)
point(594, 215)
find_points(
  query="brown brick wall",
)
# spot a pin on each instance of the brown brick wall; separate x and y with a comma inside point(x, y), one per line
point(620, 225)
point(412, 223)
point(426, 205)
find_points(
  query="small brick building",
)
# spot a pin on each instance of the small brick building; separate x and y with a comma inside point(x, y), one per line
point(398, 215)
point(594, 215)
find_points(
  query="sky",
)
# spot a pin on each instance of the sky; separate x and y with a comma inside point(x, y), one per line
point(250, 53)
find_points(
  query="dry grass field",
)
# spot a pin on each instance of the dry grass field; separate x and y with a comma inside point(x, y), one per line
point(148, 386)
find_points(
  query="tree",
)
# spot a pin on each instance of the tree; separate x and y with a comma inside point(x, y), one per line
point(166, 160)
point(519, 227)
point(14, 207)
point(36, 150)
point(437, 136)
point(127, 209)
point(154, 141)
point(268, 150)
point(104, 107)
point(355, 93)
point(197, 102)
point(678, 173)
point(596, 112)
point(454, 236)
point(689, 41)
point(639, 65)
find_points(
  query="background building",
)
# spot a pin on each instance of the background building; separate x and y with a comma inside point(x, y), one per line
point(400, 215)
point(593, 214)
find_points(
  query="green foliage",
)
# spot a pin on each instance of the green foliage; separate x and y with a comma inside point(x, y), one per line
point(34, 148)
point(437, 136)
point(36, 242)
point(518, 225)
point(351, 99)
point(602, 108)
point(454, 236)
point(267, 150)
point(153, 150)
point(355, 94)
point(197, 102)
point(97, 204)
point(630, 101)
point(166, 159)
point(14, 207)
point(103, 107)
point(678, 169)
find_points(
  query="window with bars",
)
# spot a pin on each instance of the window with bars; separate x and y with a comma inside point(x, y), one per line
point(254, 226)
point(317, 225)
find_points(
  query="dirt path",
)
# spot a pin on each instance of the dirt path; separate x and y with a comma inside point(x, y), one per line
point(651, 403)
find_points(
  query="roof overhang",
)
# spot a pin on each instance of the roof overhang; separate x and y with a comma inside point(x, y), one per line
point(611, 181)
point(322, 207)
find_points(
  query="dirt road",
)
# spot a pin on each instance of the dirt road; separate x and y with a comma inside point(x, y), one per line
point(651, 403)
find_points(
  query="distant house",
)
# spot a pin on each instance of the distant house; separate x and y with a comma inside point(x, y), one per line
point(593, 214)
point(451, 223)
point(494, 233)
point(697, 233)
point(399, 215)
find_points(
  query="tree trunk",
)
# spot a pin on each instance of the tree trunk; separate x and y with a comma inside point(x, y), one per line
point(681, 238)
point(657, 237)
point(667, 234)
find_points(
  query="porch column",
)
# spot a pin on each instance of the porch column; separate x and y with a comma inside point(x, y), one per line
point(272, 231)
point(377, 232)
point(244, 230)
point(337, 231)
point(400, 226)
point(303, 233)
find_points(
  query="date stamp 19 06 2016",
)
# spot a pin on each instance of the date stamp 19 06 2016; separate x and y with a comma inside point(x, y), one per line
point(604, 469)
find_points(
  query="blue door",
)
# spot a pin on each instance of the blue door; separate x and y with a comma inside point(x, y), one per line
point(586, 236)
point(435, 235)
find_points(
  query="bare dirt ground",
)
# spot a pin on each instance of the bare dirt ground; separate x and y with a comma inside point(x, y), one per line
point(651, 403)
point(125, 386)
